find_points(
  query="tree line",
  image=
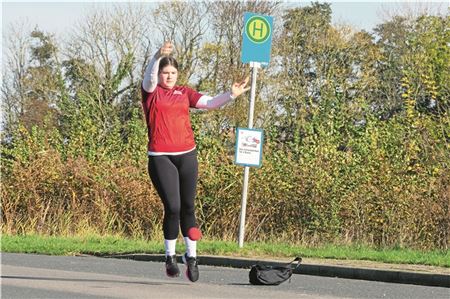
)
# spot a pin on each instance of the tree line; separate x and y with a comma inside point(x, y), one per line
point(356, 126)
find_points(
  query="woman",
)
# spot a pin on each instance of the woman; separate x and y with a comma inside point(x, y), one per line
point(172, 163)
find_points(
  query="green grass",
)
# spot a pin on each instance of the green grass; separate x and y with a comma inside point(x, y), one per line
point(98, 245)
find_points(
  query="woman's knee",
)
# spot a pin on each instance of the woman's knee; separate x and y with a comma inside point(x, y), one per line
point(187, 210)
point(172, 210)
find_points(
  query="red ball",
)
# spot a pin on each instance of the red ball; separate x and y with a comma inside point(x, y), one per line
point(194, 234)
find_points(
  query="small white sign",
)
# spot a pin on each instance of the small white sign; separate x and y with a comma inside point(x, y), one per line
point(249, 144)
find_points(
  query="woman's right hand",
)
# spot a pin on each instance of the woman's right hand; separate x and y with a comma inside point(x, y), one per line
point(166, 49)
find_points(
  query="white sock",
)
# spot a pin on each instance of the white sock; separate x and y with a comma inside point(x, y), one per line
point(170, 246)
point(191, 247)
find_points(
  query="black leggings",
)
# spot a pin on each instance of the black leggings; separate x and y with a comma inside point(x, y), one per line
point(175, 179)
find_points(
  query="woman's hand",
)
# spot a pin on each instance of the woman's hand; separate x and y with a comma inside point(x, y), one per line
point(165, 50)
point(239, 88)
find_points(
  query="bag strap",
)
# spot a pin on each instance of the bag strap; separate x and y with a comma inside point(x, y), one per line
point(298, 260)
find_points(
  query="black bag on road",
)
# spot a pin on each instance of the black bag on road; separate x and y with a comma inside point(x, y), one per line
point(261, 274)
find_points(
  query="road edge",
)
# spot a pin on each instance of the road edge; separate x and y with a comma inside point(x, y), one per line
point(391, 276)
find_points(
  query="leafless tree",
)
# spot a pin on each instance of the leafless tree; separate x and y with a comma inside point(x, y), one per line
point(185, 24)
point(13, 73)
point(116, 44)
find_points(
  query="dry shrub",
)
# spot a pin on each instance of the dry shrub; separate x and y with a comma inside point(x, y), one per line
point(51, 196)
point(335, 196)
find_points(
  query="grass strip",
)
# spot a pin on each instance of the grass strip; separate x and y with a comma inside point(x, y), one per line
point(104, 245)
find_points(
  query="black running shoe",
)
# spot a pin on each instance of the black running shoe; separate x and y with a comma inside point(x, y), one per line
point(171, 266)
point(192, 268)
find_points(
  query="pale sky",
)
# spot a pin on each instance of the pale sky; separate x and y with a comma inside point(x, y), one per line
point(57, 16)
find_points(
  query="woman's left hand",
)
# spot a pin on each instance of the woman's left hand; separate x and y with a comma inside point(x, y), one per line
point(239, 88)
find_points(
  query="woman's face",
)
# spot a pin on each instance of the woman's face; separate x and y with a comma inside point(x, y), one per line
point(168, 76)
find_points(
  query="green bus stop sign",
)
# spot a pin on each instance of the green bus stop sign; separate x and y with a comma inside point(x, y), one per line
point(257, 38)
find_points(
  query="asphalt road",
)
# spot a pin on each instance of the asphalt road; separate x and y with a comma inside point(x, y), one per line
point(40, 276)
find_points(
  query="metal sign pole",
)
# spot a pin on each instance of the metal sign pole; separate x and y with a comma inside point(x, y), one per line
point(254, 66)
